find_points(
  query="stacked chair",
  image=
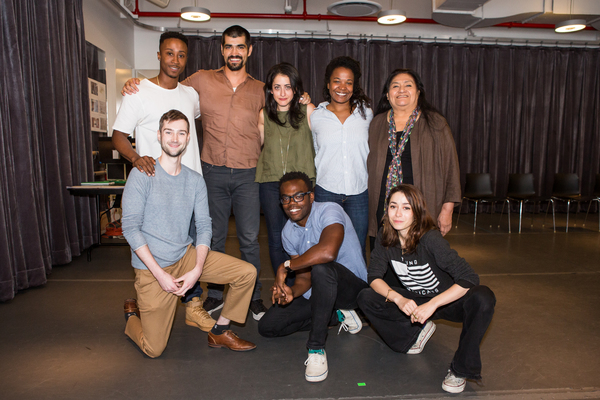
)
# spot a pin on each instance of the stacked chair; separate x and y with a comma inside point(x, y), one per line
point(478, 189)
point(522, 190)
point(595, 198)
point(565, 188)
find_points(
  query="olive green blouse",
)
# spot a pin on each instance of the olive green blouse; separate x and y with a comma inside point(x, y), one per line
point(285, 149)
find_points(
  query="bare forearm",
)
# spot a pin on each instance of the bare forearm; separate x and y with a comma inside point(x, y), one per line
point(453, 293)
point(123, 146)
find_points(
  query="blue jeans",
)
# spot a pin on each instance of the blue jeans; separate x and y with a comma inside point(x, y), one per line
point(333, 287)
point(356, 206)
point(227, 188)
point(475, 310)
point(275, 218)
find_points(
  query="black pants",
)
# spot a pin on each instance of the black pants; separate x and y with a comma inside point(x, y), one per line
point(475, 310)
point(333, 287)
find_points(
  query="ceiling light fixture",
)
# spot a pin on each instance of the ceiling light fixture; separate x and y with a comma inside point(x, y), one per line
point(571, 25)
point(391, 17)
point(195, 14)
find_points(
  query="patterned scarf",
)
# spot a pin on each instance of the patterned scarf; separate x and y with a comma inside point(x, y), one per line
point(394, 176)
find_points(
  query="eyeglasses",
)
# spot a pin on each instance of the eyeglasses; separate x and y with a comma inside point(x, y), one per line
point(298, 197)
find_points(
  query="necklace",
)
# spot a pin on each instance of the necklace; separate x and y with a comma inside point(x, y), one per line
point(284, 161)
point(157, 82)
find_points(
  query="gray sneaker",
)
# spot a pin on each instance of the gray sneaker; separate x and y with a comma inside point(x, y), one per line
point(453, 383)
point(423, 338)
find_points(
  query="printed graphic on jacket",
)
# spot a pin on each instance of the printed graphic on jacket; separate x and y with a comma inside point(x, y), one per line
point(416, 278)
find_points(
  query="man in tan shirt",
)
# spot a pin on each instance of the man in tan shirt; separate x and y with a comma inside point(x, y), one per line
point(230, 100)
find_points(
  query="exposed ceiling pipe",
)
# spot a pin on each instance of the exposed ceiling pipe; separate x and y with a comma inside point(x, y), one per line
point(320, 17)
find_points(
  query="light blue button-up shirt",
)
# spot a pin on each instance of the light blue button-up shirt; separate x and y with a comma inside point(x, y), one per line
point(341, 150)
point(298, 239)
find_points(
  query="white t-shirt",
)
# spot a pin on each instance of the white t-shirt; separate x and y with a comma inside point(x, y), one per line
point(142, 111)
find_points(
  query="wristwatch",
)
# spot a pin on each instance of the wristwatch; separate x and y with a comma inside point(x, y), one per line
point(287, 265)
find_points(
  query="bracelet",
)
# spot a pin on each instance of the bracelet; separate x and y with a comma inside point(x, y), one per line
point(387, 300)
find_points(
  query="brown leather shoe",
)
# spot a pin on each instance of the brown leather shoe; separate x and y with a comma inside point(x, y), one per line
point(230, 340)
point(131, 307)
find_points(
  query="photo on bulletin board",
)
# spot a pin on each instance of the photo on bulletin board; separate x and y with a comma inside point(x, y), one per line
point(98, 114)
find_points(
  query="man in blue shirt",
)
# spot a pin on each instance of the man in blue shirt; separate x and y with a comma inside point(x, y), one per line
point(157, 211)
point(330, 272)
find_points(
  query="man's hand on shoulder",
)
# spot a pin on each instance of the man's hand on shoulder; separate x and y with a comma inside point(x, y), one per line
point(145, 164)
point(130, 86)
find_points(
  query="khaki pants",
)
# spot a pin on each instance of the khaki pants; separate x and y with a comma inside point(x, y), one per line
point(157, 307)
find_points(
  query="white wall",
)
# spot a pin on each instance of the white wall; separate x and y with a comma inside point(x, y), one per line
point(105, 29)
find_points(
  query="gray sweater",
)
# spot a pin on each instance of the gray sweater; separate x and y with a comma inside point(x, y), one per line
point(157, 211)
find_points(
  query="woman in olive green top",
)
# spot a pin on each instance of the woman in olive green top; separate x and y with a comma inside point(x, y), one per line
point(285, 133)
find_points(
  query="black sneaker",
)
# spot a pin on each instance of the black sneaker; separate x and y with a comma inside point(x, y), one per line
point(211, 305)
point(258, 309)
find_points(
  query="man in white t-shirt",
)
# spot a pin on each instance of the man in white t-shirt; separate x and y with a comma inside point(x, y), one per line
point(158, 95)
point(142, 113)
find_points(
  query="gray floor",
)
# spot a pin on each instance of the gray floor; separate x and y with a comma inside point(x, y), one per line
point(65, 340)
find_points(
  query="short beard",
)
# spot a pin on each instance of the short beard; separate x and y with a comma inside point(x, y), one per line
point(235, 67)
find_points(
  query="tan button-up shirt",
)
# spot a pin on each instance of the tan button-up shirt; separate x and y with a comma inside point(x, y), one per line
point(229, 118)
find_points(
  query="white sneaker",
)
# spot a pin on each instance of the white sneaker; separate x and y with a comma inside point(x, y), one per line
point(453, 383)
point(423, 338)
point(316, 366)
point(350, 321)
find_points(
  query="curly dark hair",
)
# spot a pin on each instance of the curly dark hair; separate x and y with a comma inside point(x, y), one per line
point(384, 103)
point(172, 35)
point(295, 114)
point(422, 221)
point(295, 175)
point(359, 98)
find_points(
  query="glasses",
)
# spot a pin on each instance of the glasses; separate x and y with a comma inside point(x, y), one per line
point(298, 197)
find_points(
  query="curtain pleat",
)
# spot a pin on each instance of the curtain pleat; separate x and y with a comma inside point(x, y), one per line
point(512, 109)
point(45, 139)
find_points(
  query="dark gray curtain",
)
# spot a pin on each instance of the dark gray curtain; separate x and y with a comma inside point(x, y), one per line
point(511, 109)
point(45, 140)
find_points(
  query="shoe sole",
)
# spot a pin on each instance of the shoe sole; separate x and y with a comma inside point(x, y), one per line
point(258, 316)
point(358, 322)
point(318, 378)
point(192, 323)
point(428, 336)
point(454, 389)
point(215, 309)
point(218, 346)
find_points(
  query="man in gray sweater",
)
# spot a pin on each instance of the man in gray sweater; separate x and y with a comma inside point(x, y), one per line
point(156, 217)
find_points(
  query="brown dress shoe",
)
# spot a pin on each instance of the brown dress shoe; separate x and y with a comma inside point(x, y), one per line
point(230, 340)
point(131, 307)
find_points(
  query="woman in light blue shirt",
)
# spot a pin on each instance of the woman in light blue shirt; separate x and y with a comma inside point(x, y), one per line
point(340, 129)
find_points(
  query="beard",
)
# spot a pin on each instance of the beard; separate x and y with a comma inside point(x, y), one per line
point(235, 67)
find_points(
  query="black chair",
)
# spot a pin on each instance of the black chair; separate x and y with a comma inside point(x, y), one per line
point(478, 189)
point(565, 188)
point(595, 197)
point(522, 189)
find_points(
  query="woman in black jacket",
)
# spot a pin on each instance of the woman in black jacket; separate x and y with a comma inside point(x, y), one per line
point(433, 283)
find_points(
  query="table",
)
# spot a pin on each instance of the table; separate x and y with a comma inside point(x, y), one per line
point(97, 190)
